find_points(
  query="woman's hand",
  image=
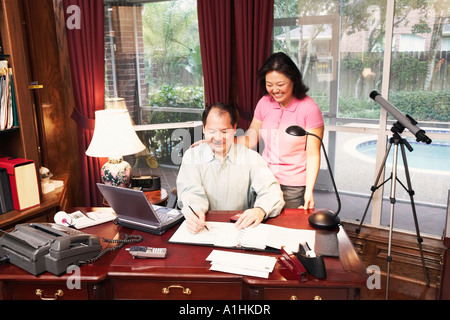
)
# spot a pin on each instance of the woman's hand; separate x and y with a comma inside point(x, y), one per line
point(197, 143)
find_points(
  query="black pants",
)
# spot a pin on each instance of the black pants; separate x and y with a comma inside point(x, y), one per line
point(293, 196)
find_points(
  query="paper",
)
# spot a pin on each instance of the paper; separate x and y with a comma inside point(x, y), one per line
point(225, 234)
point(241, 263)
point(80, 220)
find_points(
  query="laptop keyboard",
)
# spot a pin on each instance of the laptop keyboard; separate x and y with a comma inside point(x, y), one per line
point(163, 217)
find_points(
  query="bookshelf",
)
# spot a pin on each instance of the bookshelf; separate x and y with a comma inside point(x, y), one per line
point(34, 46)
point(21, 142)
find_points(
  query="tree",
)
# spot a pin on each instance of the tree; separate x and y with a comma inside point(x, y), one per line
point(169, 37)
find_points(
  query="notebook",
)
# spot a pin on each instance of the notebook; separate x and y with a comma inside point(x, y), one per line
point(264, 237)
point(134, 211)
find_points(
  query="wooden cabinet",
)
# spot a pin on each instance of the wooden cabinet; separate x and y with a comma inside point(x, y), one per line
point(35, 49)
point(20, 142)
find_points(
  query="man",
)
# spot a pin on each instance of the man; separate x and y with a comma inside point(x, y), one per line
point(222, 175)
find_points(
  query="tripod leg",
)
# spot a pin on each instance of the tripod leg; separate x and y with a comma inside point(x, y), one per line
point(373, 189)
point(391, 219)
point(413, 207)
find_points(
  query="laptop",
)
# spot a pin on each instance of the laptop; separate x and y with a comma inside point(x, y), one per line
point(134, 211)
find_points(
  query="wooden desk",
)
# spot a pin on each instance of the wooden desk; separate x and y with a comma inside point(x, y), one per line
point(185, 274)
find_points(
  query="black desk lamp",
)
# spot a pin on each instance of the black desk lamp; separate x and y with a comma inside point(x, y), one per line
point(321, 218)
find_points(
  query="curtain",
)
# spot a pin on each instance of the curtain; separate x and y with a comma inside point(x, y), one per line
point(234, 32)
point(86, 55)
point(215, 32)
point(253, 24)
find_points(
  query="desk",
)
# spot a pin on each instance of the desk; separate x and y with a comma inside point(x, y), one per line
point(184, 273)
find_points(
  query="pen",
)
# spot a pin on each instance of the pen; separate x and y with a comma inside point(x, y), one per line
point(197, 216)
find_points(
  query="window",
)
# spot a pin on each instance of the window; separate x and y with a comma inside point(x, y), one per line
point(345, 50)
point(153, 68)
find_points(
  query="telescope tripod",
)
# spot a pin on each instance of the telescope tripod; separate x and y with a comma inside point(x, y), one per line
point(396, 140)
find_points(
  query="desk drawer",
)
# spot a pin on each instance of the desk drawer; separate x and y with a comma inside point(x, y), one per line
point(43, 291)
point(305, 294)
point(173, 290)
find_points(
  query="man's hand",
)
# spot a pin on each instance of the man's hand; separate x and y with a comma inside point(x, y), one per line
point(250, 217)
point(195, 222)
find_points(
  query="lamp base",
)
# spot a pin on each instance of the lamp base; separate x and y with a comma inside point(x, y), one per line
point(116, 172)
point(324, 219)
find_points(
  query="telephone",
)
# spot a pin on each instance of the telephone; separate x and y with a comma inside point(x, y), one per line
point(40, 247)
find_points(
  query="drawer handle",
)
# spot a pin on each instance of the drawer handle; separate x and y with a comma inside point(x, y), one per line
point(40, 294)
point(315, 298)
point(186, 291)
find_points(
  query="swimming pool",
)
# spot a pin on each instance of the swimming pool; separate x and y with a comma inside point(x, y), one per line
point(434, 156)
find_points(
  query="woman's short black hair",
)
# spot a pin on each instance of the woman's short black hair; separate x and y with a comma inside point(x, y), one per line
point(224, 108)
point(280, 62)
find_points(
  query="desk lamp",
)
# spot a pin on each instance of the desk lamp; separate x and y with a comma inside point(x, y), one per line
point(114, 137)
point(321, 218)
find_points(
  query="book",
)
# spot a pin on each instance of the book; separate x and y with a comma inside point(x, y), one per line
point(262, 237)
point(23, 180)
point(8, 108)
point(6, 202)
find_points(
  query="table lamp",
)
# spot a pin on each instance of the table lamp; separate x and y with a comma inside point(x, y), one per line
point(114, 137)
point(321, 218)
point(115, 103)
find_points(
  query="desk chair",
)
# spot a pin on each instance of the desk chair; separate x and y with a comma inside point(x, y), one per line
point(173, 197)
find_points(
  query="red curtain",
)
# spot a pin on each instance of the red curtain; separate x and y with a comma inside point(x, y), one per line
point(240, 32)
point(86, 54)
point(215, 31)
point(253, 24)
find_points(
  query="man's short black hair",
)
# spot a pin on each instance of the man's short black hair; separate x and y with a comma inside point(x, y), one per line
point(223, 107)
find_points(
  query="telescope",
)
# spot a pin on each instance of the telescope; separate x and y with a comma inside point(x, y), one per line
point(406, 121)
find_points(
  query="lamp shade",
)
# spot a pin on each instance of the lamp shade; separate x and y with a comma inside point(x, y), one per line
point(114, 135)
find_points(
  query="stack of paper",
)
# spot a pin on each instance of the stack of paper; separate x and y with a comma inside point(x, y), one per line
point(241, 263)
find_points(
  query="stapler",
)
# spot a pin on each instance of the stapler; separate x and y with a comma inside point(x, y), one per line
point(295, 267)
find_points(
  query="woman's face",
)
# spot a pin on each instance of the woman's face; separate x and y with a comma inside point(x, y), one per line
point(279, 87)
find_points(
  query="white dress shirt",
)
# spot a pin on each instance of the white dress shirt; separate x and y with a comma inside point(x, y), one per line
point(241, 182)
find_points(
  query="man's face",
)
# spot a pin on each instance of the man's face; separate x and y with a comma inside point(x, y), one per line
point(218, 131)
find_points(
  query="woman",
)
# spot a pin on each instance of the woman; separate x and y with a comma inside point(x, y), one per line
point(295, 161)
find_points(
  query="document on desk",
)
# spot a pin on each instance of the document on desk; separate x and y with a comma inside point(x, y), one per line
point(241, 263)
point(262, 237)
